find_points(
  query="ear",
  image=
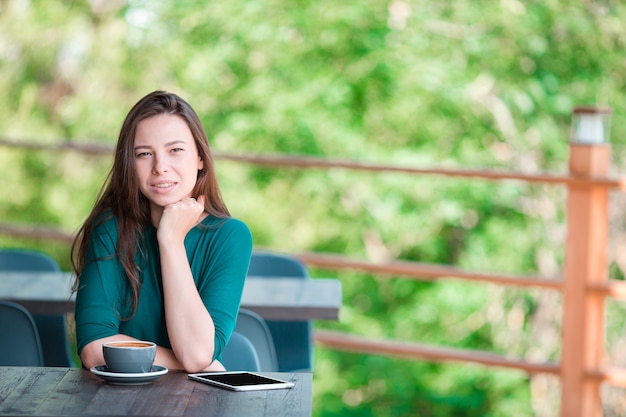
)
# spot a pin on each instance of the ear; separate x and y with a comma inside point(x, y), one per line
point(200, 164)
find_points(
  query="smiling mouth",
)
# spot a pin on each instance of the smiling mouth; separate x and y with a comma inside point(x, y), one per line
point(164, 185)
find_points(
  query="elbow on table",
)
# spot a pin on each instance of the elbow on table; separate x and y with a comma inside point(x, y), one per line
point(194, 360)
point(91, 356)
point(193, 366)
point(201, 363)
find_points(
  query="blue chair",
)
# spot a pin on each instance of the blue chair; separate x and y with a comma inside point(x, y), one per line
point(253, 327)
point(293, 339)
point(52, 329)
point(240, 355)
point(20, 340)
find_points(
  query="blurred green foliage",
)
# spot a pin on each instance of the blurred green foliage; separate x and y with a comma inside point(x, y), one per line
point(414, 83)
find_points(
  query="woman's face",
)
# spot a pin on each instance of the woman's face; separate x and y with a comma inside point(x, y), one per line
point(166, 160)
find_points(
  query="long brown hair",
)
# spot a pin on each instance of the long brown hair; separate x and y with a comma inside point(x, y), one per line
point(120, 195)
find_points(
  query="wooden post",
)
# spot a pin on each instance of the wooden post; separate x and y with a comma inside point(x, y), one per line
point(585, 265)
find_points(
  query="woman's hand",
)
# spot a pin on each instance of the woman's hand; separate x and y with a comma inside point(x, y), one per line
point(179, 218)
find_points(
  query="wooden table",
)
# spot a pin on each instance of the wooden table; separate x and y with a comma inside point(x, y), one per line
point(78, 392)
point(292, 299)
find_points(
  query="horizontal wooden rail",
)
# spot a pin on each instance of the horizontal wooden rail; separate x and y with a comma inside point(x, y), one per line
point(90, 148)
point(486, 174)
point(614, 289)
point(612, 376)
point(410, 350)
point(423, 271)
point(36, 233)
point(313, 162)
point(352, 343)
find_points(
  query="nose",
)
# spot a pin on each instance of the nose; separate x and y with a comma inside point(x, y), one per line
point(159, 165)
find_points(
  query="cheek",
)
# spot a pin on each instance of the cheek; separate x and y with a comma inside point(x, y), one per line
point(142, 172)
point(138, 170)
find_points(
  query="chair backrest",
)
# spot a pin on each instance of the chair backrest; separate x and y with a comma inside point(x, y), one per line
point(20, 340)
point(269, 264)
point(240, 355)
point(52, 329)
point(252, 326)
point(26, 260)
point(293, 339)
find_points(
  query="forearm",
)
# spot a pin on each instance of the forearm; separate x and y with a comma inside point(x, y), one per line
point(189, 325)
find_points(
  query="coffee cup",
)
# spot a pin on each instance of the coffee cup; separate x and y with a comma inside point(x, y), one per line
point(129, 356)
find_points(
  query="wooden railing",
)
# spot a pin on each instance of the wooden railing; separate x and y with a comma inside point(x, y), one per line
point(584, 285)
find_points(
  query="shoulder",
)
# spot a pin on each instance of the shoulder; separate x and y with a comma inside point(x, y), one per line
point(236, 225)
point(226, 226)
point(105, 226)
point(104, 235)
point(105, 222)
point(217, 234)
point(219, 241)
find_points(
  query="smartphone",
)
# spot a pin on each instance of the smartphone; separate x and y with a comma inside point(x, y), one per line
point(241, 381)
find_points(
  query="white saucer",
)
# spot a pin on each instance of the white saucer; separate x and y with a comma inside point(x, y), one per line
point(127, 378)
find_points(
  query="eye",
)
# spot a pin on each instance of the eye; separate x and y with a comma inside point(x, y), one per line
point(142, 154)
point(177, 149)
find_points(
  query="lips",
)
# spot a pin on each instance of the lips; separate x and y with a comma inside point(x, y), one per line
point(160, 187)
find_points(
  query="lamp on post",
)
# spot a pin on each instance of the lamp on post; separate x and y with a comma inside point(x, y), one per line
point(590, 151)
point(586, 263)
point(590, 125)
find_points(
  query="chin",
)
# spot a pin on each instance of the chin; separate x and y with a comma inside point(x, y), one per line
point(163, 201)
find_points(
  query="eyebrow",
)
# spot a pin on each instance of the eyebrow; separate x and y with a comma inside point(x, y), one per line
point(174, 142)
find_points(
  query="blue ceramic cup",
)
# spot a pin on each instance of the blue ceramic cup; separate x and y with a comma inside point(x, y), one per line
point(129, 356)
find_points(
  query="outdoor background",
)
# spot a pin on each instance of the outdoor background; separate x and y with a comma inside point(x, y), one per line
point(467, 84)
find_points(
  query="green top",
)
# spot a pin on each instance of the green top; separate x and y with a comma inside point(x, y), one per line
point(219, 254)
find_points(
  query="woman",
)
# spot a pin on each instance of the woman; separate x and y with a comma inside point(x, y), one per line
point(159, 258)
